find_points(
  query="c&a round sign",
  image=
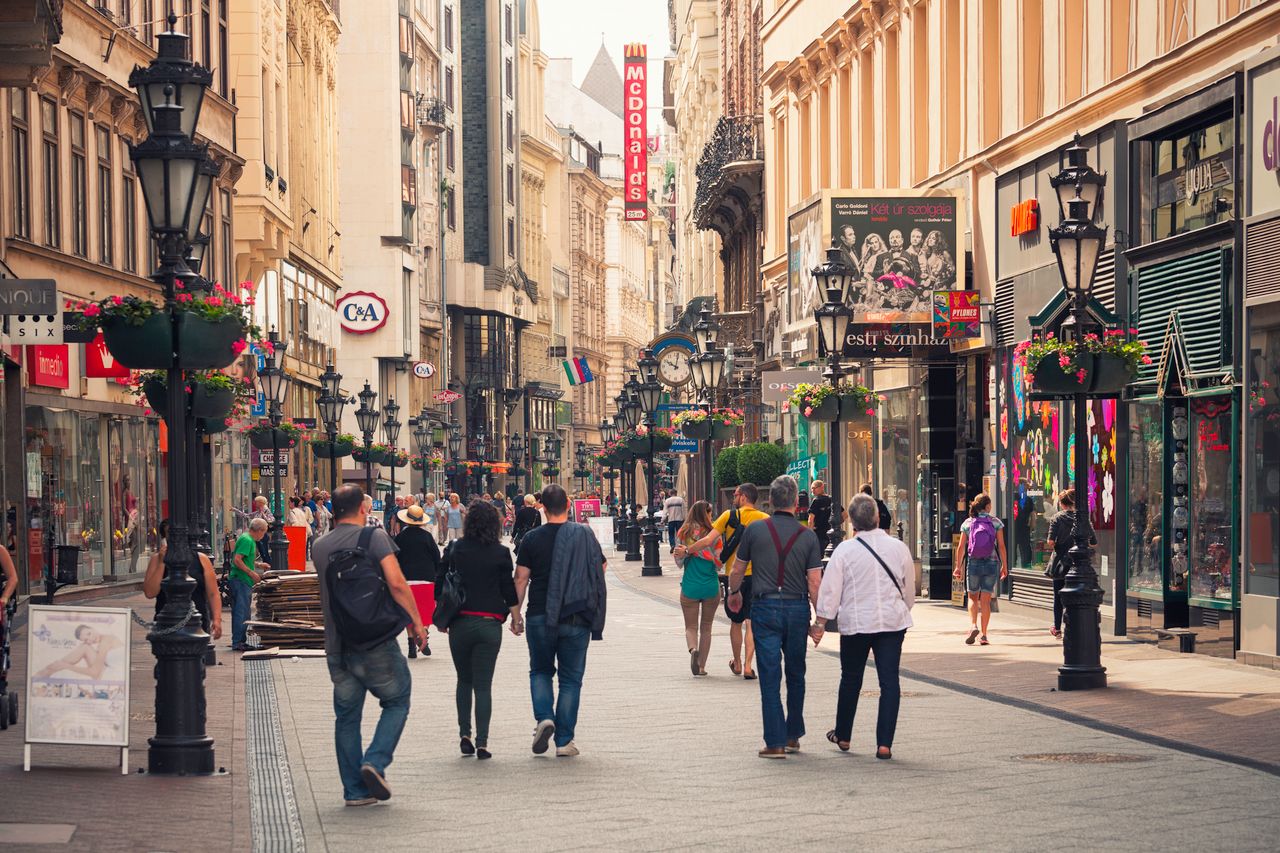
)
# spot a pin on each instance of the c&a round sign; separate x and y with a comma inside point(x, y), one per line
point(361, 312)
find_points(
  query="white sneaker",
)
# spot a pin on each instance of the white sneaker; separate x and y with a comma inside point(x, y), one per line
point(363, 801)
point(542, 736)
point(566, 751)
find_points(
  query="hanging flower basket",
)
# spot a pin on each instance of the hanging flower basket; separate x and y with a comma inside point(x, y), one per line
point(144, 345)
point(610, 475)
point(826, 411)
point(1050, 377)
point(551, 472)
point(582, 473)
point(207, 344)
point(344, 446)
point(697, 430)
point(268, 439)
point(212, 426)
point(816, 401)
point(211, 396)
point(721, 431)
point(857, 402)
point(397, 458)
point(451, 470)
point(1111, 373)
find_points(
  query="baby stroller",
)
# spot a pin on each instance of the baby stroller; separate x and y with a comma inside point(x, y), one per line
point(8, 698)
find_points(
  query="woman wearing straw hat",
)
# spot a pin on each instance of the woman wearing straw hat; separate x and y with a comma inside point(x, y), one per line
point(419, 556)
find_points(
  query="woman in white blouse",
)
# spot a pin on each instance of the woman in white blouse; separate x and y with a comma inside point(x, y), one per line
point(868, 589)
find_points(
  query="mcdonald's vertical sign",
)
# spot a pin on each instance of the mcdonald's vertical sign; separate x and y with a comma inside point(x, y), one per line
point(635, 159)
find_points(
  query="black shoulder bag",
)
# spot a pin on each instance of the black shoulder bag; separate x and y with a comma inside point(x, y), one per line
point(730, 546)
point(450, 593)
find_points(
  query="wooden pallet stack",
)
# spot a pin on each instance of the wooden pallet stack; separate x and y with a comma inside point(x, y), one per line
point(288, 611)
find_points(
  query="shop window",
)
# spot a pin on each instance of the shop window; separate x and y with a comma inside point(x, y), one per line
point(1212, 499)
point(1262, 414)
point(1146, 496)
point(1188, 181)
point(1035, 466)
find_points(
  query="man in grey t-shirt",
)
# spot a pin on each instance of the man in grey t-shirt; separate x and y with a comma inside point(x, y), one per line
point(786, 569)
point(381, 670)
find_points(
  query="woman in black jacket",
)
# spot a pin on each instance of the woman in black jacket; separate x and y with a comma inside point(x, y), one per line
point(475, 634)
point(419, 556)
point(527, 518)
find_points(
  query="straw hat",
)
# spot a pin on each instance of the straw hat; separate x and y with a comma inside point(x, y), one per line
point(412, 515)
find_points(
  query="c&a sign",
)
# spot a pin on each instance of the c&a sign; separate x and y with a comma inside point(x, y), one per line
point(361, 312)
point(635, 155)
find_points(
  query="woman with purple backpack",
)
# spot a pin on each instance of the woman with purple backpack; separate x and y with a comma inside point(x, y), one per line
point(983, 561)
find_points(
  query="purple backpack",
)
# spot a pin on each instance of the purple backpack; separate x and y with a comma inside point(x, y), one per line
point(982, 537)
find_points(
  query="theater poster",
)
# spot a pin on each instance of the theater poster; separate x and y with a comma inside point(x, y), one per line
point(902, 246)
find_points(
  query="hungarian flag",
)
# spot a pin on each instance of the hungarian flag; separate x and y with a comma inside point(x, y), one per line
point(577, 371)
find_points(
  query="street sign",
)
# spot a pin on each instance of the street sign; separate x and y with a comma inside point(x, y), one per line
point(424, 369)
point(680, 444)
point(268, 469)
point(258, 408)
point(675, 407)
point(28, 296)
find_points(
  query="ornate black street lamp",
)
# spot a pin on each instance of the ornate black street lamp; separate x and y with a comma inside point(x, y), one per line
point(707, 369)
point(273, 382)
point(631, 417)
point(650, 395)
point(331, 403)
point(1077, 242)
point(616, 428)
point(420, 429)
point(391, 432)
point(833, 318)
point(481, 449)
point(515, 455)
point(176, 175)
point(367, 418)
point(455, 453)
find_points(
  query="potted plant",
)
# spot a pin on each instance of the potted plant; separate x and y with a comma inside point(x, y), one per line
point(397, 458)
point(760, 462)
point(343, 445)
point(693, 423)
point(725, 468)
point(638, 441)
point(816, 401)
point(265, 437)
point(211, 394)
point(1097, 364)
point(857, 402)
point(135, 330)
point(726, 422)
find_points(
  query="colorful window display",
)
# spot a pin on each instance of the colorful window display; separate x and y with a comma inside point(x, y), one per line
point(1262, 461)
point(1212, 505)
point(1035, 472)
point(1146, 497)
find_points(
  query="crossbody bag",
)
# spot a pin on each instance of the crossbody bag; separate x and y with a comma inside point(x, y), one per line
point(887, 570)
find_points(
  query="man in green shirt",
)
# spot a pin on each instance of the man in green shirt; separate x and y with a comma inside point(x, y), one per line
point(244, 574)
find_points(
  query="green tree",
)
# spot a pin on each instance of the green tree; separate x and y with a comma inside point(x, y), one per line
point(725, 467)
point(760, 463)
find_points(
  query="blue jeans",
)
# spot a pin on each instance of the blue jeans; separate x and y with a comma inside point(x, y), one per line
point(240, 594)
point(672, 527)
point(383, 672)
point(781, 629)
point(567, 648)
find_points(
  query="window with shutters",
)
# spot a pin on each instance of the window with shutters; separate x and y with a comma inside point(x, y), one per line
point(1186, 297)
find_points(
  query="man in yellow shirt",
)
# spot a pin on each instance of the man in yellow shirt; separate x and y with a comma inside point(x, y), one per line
point(726, 527)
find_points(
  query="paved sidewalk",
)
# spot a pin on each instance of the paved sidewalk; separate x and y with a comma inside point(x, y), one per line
point(1214, 706)
point(82, 789)
point(669, 762)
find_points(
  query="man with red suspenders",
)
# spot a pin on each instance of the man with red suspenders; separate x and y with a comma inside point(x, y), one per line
point(786, 558)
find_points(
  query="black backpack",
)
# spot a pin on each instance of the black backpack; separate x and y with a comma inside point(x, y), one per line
point(886, 521)
point(360, 603)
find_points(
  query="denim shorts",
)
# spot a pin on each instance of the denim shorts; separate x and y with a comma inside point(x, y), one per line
point(983, 574)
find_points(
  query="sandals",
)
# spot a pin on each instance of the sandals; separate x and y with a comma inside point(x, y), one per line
point(735, 667)
point(749, 676)
point(843, 744)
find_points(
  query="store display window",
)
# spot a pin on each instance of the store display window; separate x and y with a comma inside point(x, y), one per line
point(1262, 460)
point(1146, 496)
point(1212, 505)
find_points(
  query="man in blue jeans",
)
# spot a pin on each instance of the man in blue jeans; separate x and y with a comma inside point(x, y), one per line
point(786, 560)
point(244, 574)
point(380, 670)
point(561, 567)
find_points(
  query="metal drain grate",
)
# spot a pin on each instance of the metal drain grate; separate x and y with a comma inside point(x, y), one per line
point(1082, 757)
point(906, 694)
point(273, 805)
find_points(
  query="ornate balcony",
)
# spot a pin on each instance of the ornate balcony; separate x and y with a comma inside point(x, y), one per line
point(730, 174)
point(28, 31)
point(431, 116)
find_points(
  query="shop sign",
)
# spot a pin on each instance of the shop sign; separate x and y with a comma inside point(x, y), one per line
point(957, 314)
point(635, 158)
point(776, 385)
point(1024, 218)
point(1264, 138)
point(28, 296)
point(361, 312)
point(424, 369)
point(99, 363)
point(49, 366)
point(683, 444)
point(902, 246)
point(73, 331)
point(446, 396)
point(895, 340)
point(31, 329)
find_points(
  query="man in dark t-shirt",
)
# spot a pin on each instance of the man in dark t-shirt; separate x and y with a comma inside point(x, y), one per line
point(536, 548)
point(820, 510)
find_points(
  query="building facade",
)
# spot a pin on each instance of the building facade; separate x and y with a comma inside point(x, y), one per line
point(83, 462)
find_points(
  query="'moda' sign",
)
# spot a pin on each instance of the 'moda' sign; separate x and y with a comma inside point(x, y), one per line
point(361, 312)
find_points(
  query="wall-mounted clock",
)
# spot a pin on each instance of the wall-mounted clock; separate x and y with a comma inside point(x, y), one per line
point(673, 351)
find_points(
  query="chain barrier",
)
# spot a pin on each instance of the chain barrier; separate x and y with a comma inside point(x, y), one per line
point(151, 626)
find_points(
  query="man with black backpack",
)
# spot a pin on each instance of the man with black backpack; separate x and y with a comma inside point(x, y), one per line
point(366, 603)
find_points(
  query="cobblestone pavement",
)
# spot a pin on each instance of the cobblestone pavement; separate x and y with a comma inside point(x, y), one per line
point(668, 762)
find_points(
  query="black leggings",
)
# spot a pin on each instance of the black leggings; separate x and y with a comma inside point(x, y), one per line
point(887, 646)
point(1058, 584)
point(474, 642)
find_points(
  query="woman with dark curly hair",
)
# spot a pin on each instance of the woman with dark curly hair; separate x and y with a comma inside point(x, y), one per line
point(475, 635)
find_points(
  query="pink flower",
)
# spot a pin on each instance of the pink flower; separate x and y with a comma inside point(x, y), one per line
point(92, 310)
point(215, 301)
point(227, 421)
point(239, 346)
point(871, 411)
point(728, 423)
point(1080, 374)
point(808, 410)
point(1146, 359)
point(1133, 331)
point(117, 300)
point(182, 298)
point(268, 347)
point(177, 285)
point(1064, 361)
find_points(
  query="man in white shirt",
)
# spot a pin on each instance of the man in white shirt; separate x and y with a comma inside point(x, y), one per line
point(674, 509)
point(869, 589)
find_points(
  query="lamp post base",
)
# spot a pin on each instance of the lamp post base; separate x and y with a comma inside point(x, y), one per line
point(279, 549)
point(180, 746)
point(651, 567)
point(619, 533)
point(1082, 667)
point(633, 540)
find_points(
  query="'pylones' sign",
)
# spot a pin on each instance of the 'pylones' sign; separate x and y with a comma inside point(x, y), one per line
point(635, 155)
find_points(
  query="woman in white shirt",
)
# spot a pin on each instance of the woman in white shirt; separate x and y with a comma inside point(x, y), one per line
point(868, 589)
